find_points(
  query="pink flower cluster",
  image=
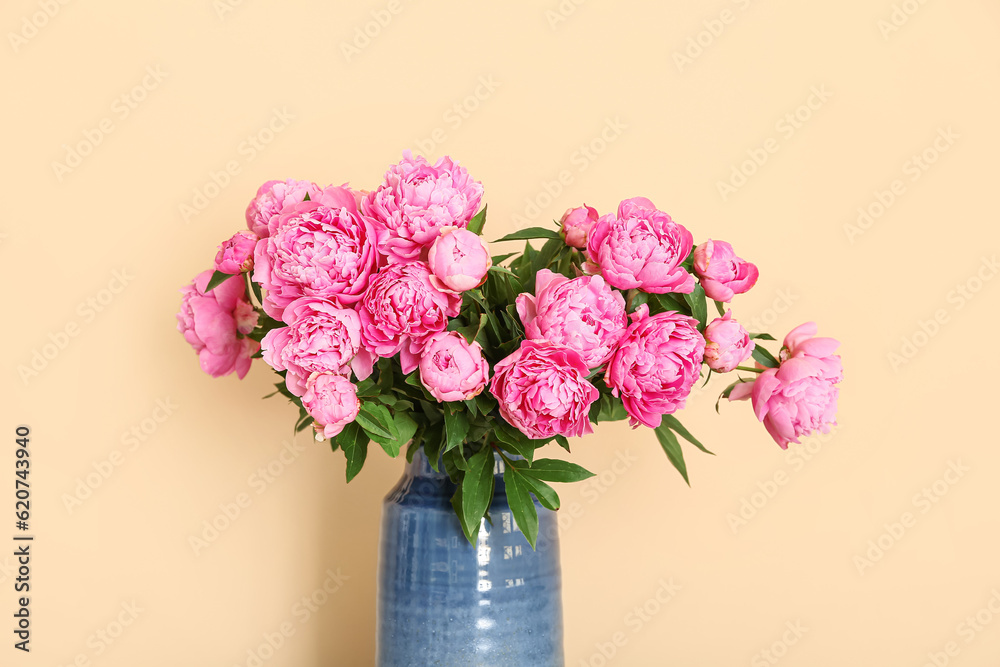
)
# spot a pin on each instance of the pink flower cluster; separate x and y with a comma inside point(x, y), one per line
point(352, 276)
point(800, 396)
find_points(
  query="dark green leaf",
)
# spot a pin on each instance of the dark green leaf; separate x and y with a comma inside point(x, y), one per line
point(764, 358)
point(521, 504)
point(546, 495)
point(563, 442)
point(513, 441)
point(674, 424)
point(477, 487)
point(530, 233)
point(554, 470)
point(638, 299)
point(217, 279)
point(376, 419)
point(456, 428)
point(471, 530)
point(354, 442)
point(254, 287)
point(673, 449)
point(478, 222)
point(762, 336)
point(698, 304)
point(502, 258)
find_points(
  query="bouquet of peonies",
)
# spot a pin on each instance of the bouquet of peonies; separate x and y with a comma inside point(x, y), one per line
point(389, 321)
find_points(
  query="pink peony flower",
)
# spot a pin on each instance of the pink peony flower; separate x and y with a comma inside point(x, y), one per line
point(543, 390)
point(236, 254)
point(402, 309)
point(722, 273)
point(641, 248)
point(416, 200)
point(332, 401)
point(317, 248)
point(655, 365)
point(727, 344)
point(576, 225)
point(800, 396)
point(321, 337)
point(274, 196)
point(213, 323)
point(583, 314)
point(451, 368)
point(459, 259)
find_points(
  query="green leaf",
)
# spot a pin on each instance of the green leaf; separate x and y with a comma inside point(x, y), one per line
point(727, 391)
point(377, 420)
point(502, 258)
point(764, 358)
point(546, 495)
point(471, 332)
point(675, 425)
point(639, 298)
point(673, 449)
point(669, 302)
point(554, 470)
point(477, 488)
point(217, 279)
point(433, 441)
point(762, 336)
point(478, 222)
point(471, 530)
point(354, 442)
point(515, 442)
point(521, 505)
point(563, 442)
point(699, 306)
point(530, 233)
point(486, 402)
point(456, 428)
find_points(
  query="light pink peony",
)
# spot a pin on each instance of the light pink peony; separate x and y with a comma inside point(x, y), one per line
point(655, 365)
point(332, 401)
point(236, 254)
point(272, 197)
point(641, 248)
point(459, 260)
point(543, 390)
point(321, 337)
point(451, 368)
point(722, 273)
point(213, 323)
point(727, 343)
point(416, 200)
point(800, 396)
point(319, 248)
point(402, 309)
point(576, 225)
point(583, 314)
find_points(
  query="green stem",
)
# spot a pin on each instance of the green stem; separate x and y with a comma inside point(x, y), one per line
point(750, 370)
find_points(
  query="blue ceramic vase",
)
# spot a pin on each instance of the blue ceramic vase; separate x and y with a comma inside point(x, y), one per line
point(444, 602)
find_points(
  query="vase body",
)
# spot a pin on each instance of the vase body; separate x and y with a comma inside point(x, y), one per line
point(442, 601)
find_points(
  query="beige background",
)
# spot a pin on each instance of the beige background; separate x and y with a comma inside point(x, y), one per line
point(557, 81)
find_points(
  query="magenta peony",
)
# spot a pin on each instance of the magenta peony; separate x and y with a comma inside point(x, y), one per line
point(656, 364)
point(451, 368)
point(576, 225)
point(641, 248)
point(402, 309)
point(332, 401)
point(416, 200)
point(317, 248)
point(272, 197)
point(727, 343)
point(722, 273)
point(583, 314)
point(543, 391)
point(236, 254)
point(215, 324)
point(321, 337)
point(459, 260)
point(800, 396)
